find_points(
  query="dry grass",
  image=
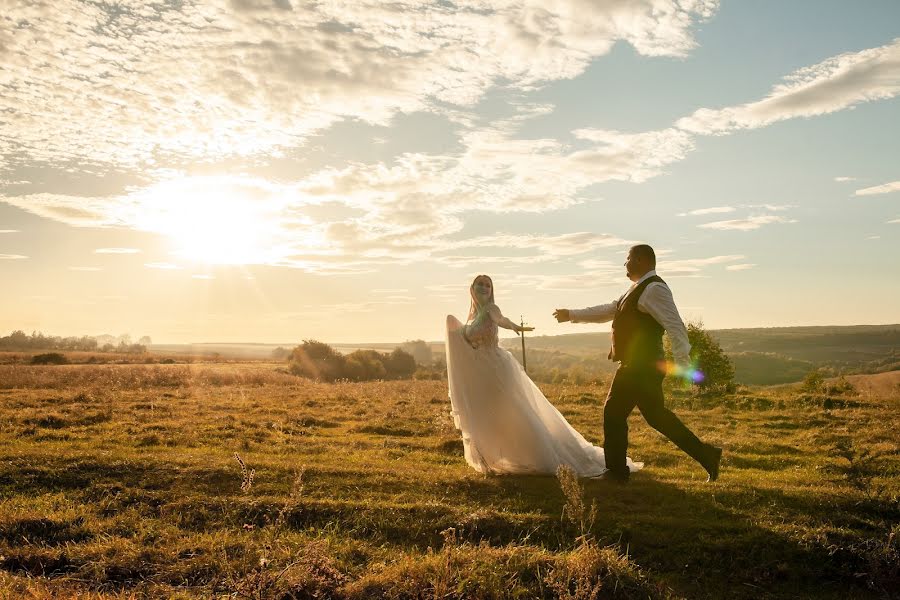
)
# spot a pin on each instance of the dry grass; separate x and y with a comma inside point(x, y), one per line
point(120, 481)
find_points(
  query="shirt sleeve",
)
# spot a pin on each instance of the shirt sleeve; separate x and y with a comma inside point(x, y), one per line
point(657, 301)
point(594, 314)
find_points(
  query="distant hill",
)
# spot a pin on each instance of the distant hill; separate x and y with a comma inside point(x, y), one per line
point(768, 355)
point(761, 355)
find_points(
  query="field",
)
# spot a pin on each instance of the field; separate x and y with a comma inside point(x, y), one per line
point(241, 481)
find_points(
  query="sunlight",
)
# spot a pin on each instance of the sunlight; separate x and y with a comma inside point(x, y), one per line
point(219, 220)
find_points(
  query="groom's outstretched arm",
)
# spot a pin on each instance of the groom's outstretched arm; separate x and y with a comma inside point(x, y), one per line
point(593, 314)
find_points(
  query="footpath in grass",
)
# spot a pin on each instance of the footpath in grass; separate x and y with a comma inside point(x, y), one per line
point(240, 481)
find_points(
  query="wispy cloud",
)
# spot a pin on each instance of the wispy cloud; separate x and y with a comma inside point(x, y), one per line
point(693, 267)
point(885, 188)
point(116, 251)
point(844, 179)
point(740, 267)
point(708, 211)
point(747, 224)
point(894, 221)
point(9, 231)
point(12, 257)
point(834, 84)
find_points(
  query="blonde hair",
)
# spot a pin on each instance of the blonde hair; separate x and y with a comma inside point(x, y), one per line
point(473, 308)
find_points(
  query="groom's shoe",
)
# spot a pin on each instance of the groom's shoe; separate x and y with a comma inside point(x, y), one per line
point(614, 476)
point(713, 458)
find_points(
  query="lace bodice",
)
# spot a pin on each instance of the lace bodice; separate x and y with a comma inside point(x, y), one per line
point(482, 331)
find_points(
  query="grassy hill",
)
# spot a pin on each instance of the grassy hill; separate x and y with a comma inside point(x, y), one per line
point(231, 480)
point(764, 355)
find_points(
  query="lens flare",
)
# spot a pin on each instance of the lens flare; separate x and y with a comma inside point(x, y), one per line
point(691, 374)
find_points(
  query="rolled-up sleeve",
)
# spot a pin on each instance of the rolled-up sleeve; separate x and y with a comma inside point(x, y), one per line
point(657, 301)
point(593, 314)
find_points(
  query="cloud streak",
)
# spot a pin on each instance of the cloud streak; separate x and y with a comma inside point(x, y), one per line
point(748, 224)
point(837, 83)
point(885, 188)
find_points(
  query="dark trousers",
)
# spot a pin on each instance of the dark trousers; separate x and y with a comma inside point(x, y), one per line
point(641, 387)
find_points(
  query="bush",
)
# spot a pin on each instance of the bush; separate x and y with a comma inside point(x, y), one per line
point(317, 360)
point(708, 357)
point(50, 358)
point(400, 364)
point(814, 382)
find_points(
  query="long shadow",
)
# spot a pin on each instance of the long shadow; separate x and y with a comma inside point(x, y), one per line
point(694, 543)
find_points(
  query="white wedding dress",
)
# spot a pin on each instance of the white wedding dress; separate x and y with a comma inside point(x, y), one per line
point(507, 424)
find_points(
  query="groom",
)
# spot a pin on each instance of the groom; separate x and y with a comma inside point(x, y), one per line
point(639, 318)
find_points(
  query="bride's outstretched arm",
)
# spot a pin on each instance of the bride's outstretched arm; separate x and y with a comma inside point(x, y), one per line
point(501, 321)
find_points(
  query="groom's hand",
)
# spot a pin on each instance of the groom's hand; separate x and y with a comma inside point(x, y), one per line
point(561, 314)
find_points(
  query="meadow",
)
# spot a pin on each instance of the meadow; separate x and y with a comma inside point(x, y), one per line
point(239, 480)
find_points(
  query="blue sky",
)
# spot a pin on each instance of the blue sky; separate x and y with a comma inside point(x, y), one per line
point(275, 171)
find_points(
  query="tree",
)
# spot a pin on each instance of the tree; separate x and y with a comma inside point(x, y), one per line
point(400, 364)
point(317, 360)
point(280, 353)
point(716, 372)
point(145, 341)
point(419, 350)
point(366, 365)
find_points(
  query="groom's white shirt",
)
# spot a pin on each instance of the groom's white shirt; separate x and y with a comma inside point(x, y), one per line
point(657, 302)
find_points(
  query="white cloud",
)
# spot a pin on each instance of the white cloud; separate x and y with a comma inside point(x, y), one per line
point(553, 245)
point(9, 231)
point(894, 221)
point(844, 179)
point(837, 83)
point(129, 83)
point(708, 211)
point(116, 251)
point(202, 276)
point(770, 207)
point(746, 224)
point(740, 267)
point(12, 257)
point(693, 267)
point(884, 188)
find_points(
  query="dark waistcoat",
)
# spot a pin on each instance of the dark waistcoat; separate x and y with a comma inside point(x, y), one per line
point(636, 336)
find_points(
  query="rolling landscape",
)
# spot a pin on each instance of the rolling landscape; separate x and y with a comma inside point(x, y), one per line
point(184, 476)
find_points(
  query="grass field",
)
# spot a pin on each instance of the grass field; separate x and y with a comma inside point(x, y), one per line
point(236, 480)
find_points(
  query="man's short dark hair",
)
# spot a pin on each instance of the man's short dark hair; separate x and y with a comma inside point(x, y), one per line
point(645, 252)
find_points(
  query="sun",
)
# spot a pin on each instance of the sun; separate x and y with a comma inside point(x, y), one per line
point(215, 220)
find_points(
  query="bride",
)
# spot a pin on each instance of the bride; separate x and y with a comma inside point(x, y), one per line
point(507, 424)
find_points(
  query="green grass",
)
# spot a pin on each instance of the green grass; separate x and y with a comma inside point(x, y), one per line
point(122, 481)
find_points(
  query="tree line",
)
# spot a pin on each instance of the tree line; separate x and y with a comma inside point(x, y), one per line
point(21, 341)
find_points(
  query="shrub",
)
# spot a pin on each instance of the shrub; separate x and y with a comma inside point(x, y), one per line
point(708, 357)
point(400, 364)
point(317, 360)
point(814, 382)
point(50, 358)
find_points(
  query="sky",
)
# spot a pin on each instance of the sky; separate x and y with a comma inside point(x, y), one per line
point(274, 171)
